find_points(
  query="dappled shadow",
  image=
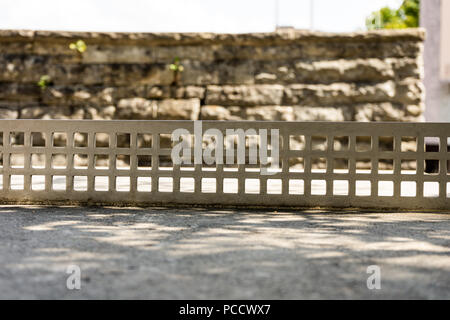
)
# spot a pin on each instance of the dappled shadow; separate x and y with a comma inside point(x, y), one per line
point(215, 253)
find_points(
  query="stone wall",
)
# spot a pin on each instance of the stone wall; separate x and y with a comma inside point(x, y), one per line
point(289, 75)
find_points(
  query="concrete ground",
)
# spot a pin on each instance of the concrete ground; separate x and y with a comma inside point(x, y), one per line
point(167, 253)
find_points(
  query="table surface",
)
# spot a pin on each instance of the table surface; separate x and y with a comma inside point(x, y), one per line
point(186, 253)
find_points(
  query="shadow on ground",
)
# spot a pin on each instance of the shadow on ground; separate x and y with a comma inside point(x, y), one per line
point(163, 253)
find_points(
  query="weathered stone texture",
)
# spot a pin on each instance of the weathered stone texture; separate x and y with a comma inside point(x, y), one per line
point(244, 95)
point(287, 75)
point(8, 114)
point(135, 108)
point(168, 109)
point(385, 112)
point(178, 109)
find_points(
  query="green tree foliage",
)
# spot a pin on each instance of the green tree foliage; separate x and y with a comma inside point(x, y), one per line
point(407, 16)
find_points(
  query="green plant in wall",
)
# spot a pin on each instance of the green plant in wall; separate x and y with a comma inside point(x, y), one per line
point(44, 81)
point(79, 46)
point(176, 68)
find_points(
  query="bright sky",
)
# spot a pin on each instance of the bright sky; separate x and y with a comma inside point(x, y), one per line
point(228, 16)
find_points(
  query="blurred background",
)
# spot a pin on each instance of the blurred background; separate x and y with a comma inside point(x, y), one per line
point(293, 71)
point(231, 16)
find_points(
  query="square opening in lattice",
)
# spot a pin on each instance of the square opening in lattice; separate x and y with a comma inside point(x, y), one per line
point(318, 187)
point(296, 186)
point(385, 166)
point(123, 140)
point(318, 164)
point(341, 143)
point(230, 167)
point(188, 140)
point(184, 158)
point(144, 184)
point(1, 139)
point(296, 142)
point(274, 186)
point(448, 189)
point(165, 184)
point(340, 187)
point(270, 146)
point(409, 144)
point(385, 143)
point(230, 159)
point(59, 161)
point(17, 160)
point(59, 183)
point(252, 143)
point(187, 165)
point(144, 140)
point(408, 189)
point(16, 139)
point(230, 185)
point(101, 161)
point(101, 183)
point(296, 164)
point(248, 168)
point(432, 166)
point(363, 166)
point(144, 162)
point(59, 139)
point(165, 163)
point(37, 182)
point(80, 183)
point(385, 188)
point(16, 182)
point(252, 186)
point(38, 160)
point(272, 166)
point(123, 184)
point(101, 140)
point(211, 165)
point(363, 143)
point(431, 189)
point(165, 141)
point(230, 144)
point(37, 139)
point(432, 144)
point(363, 188)
point(252, 158)
point(123, 162)
point(340, 165)
point(187, 184)
point(80, 161)
point(409, 166)
point(209, 185)
point(1, 182)
point(1, 160)
point(319, 143)
point(80, 139)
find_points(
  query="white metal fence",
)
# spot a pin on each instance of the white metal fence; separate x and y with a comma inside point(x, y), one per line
point(322, 164)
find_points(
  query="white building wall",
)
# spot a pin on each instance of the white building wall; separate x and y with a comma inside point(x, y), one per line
point(437, 101)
